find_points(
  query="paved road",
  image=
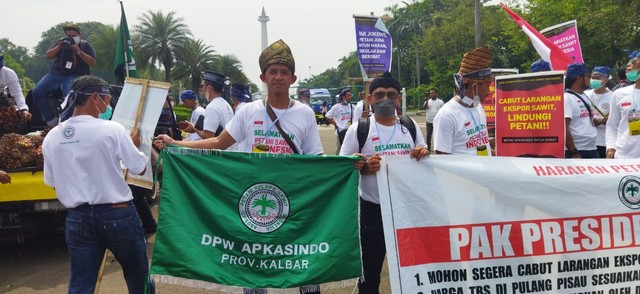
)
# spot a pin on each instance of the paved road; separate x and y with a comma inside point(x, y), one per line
point(41, 264)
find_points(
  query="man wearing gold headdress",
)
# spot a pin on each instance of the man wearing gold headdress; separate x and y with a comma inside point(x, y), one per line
point(276, 124)
point(460, 127)
point(254, 124)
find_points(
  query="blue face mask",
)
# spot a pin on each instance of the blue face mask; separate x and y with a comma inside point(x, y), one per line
point(632, 75)
point(106, 115)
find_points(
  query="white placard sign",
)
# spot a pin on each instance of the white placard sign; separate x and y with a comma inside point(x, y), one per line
point(129, 112)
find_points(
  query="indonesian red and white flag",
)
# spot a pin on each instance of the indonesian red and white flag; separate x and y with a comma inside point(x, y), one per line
point(548, 51)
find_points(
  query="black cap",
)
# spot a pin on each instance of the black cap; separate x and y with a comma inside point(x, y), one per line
point(213, 77)
point(386, 80)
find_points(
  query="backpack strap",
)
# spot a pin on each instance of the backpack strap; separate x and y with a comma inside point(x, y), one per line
point(363, 131)
point(408, 123)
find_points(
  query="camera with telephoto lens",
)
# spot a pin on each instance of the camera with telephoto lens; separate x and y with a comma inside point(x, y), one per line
point(67, 41)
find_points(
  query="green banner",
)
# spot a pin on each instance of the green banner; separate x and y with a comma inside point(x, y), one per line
point(124, 64)
point(256, 220)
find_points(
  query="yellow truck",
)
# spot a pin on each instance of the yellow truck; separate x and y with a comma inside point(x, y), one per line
point(28, 206)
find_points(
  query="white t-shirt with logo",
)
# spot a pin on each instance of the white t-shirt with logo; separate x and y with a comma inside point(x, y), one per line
point(252, 127)
point(390, 141)
point(459, 130)
point(625, 101)
point(581, 127)
point(341, 114)
point(195, 114)
point(603, 102)
point(82, 161)
point(434, 107)
point(217, 114)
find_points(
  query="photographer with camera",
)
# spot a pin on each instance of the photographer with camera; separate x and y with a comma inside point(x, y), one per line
point(73, 56)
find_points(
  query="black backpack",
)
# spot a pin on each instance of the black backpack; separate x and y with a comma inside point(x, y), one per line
point(363, 129)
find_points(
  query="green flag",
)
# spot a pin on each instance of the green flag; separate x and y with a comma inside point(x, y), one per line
point(256, 220)
point(124, 65)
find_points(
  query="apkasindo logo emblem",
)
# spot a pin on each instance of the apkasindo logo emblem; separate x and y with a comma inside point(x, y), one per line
point(629, 191)
point(263, 207)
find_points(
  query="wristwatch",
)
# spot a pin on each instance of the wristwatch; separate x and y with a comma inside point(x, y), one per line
point(78, 52)
point(573, 151)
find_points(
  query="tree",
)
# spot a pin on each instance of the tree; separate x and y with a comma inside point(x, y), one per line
point(157, 38)
point(191, 59)
point(18, 53)
point(104, 41)
point(230, 66)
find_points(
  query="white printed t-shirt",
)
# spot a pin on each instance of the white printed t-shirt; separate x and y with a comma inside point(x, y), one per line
point(626, 100)
point(252, 127)
point(217, 114)
point(341, 114)
point(459, 130)
point(581, 127)
point(82, 161)
point(603, 102)
point(388, 142)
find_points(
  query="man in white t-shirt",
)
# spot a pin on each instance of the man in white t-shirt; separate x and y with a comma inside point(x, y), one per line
point(580, 131)
point(432, 104)
point(82, 161)
point(387, 136)
point(600, 99)
point(460, 127)
point(9, 78)
point(257, 132)
point(190, 100)
point(218, 112)
point(623, 125)
point(341, 116)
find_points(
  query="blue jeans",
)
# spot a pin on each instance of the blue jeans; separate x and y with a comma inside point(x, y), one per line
point(91, 229)
point(49, 83)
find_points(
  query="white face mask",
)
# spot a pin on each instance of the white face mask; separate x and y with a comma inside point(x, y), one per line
point(206, 95)
point(77, 40)
point(476, 98)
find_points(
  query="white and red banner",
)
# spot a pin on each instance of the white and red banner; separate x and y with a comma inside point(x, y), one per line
point(462, 224)
point(565, 36)
point(548, 51)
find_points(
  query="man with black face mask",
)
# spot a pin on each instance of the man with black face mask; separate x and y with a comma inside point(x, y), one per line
point(387, 136)
point(460, 127)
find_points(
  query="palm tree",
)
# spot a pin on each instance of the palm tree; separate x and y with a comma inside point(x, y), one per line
point(103, 44)
point(158, 38)
point(230, 66)
point(264, 203)
point(191, 60)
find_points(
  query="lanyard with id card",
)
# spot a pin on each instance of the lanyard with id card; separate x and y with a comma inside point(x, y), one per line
point(482, 150)
point(634, 123)
point(634, 117)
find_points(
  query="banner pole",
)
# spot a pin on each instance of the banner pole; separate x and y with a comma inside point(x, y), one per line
point(96, 290)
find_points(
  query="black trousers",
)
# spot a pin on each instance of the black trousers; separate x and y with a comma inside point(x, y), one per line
point(142, 206)
point(372, 245)
point(429, 134)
